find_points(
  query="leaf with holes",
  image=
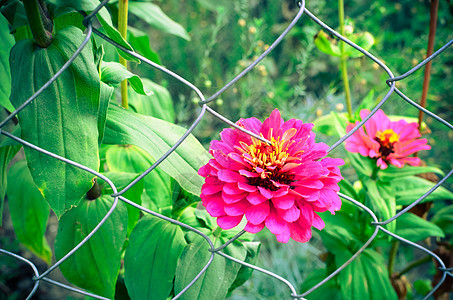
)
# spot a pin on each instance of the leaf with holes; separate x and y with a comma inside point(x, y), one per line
point(96, 265)
point(220, 275)
point(113, 73)
point(63, 119)
point(154, 16)
point(159, 243)
point(156, 136)
point(414, 228)
point(29, 211)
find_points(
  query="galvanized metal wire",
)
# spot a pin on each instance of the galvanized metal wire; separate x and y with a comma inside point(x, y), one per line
point(118, 195)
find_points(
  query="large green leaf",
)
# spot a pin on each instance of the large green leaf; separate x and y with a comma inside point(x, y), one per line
point(217, 279)
point(244, 273)
point(5, 80)
point(157, 184)
point(444, 219)
point(157, 104)
point(140, 41)
point(408, 189)
point(154, 16)
point(329, 290)
point(6, 155)
point(151, 258)
point(366, 277)
point(392, 172)
point(96, 265)
point(63, 119)
point(112, 73)
point(382, 199)
point(414, 228)
point(29, 211)
point(156, 136)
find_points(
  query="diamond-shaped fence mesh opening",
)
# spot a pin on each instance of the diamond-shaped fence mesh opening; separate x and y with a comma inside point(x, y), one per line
point(204, 103)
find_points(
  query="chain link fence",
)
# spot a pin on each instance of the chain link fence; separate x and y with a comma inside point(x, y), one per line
point(118, 195)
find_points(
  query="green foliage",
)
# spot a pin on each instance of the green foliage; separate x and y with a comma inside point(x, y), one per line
point(414, 228)
point(29, 211)
point(96, 265)
point(156, 136)
point(66, 111)
point(5, 79)
point(159, 244)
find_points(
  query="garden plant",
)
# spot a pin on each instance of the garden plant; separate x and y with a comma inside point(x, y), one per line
point(158, 192)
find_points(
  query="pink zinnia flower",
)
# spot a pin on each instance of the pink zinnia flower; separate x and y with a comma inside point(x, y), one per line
point(386, 141)
point(281, 186)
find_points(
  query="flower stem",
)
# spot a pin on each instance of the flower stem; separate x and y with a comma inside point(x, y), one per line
point(217, 231)
point(392, 256)
point(40, 24)
point(343, 60)
point(415, 264)
point(122, 28)
point(374, 173)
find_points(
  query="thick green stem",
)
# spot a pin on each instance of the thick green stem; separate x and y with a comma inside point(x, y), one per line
point(343, 60)
point(40, 25)
point(122, 28)
point(375, 172)
point(392, 257)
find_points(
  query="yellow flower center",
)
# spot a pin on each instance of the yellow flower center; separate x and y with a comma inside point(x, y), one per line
point(387, 137)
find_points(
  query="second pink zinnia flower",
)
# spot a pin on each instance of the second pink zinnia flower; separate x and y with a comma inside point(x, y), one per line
point(386, 141)
point(281, 186)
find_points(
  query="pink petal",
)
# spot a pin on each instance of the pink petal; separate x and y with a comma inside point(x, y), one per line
point(318, 223)
point(229, 176)
point(284, 236)
point(232, 189)
point(306, 215)
point(215, 208)
point(208, 189)
point(228, 222)
point(257, 214)
point(248, 173)
point(246, 187)
point(275, 224)
point(229, 199)
point(298, 233)
point(236, 209)
point(272, 124)
point(289, 215)
point(265, 192)
point(252, 228)
point(256, 198)
point(284, 202)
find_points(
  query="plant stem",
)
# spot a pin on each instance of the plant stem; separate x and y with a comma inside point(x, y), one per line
point(392, 256)
point(432, 34)
point(38, 22)
point(414, 264)
point(374, 173)
point(343, 60)
point(122, 28)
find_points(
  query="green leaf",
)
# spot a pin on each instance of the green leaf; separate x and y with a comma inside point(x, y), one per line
point(363, 39)
point(121, 180)
point(6, 155)
point(364, 166)
point(408, 189)
point(151, 258)
point(392, 172)
point(414, 228)
point(104, 99)
point(157, 184)
point(382, 200)
point(157, 104)
point(331, 124)
point(156, 136)
point(366, 277)
point(140, 41)
point(96, 265)
point(326, 44)
point(154, 16)
point(444, 219)
point(5, 80)
point(327, 291)
point(14, 12)
point(217, 279)
point(29, 211)
point(112, 73)
point(253, 249)
point(63, 119)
